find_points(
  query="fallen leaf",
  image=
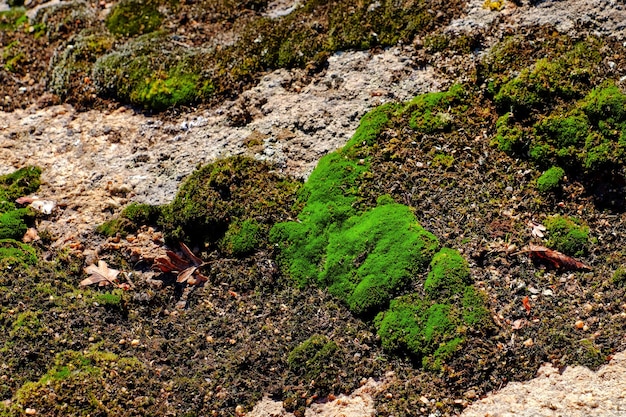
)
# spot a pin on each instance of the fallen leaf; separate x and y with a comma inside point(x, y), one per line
point(518, 324)
point(31, 235)
point(557, 259)
point(186, 268)
point(537, 228)
point(526, 304)
point(101, 275)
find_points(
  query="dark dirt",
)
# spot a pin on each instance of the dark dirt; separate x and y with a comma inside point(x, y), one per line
point(219, 348)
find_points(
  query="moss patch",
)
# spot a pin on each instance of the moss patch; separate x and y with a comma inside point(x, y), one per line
point(130, 220)
point(134, 17)
point(154, 72)
point(228, 191)
point(550, 180)
point(567, 235)
point(430, 328)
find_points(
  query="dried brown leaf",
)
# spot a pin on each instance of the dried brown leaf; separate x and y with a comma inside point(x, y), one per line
point(101, 275)
point(187, 269)
point(555, 258)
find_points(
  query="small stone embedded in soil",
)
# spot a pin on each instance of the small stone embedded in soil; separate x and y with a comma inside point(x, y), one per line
point(529, 342)
point(135, 342)
point(30, 411)
point(579, 324)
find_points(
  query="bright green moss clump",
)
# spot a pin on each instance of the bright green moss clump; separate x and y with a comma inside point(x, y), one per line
point(567, 235)
point(430, 328)
point(374, 256)
point(550, 180)
point(363, 257)
point(242, 237)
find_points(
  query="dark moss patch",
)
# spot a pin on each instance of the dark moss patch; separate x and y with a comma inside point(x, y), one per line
point(134, 17)
point(317, 361)
point(242, 237)
point(224, 192)
point(154, 72)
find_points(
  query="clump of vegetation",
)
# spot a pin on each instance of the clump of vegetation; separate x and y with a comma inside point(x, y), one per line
point(242, 237)
point(429, 111)
point(317, 361)
point(374, 256)
point(134, 17)
point(155, 73)
point(13, 18)
point(567, 235)
point(430, 328)
point(550, 180)
point(71, 69)
point(13, 220)
point(14, 253)
point(508, 136)
point(130, 220)
point(229, 191)
point(314, 250)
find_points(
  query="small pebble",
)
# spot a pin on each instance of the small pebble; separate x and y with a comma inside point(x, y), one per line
point(122, 342)
point(529, 342)
point(30, 411)
point(579, 324)
point(134, 342)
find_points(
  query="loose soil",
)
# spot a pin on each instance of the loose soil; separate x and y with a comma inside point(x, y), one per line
point(222, 350)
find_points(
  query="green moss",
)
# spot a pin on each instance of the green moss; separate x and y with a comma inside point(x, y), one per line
point(217, 194)
point(130, 220)
point(154, 72)
point(449, 275)
point(12, 224)
point(431, 327)
point(27, 325)
point(443, 160)
point(134, 17)
point(13, 18)
point(13, 56)
point(550, 180)
point(567, 235)
point(318, 360)
point(375, 256)
point(364, 258)
point(242, 237)
point(14, 253)
point(72, 66)
point(619, 277)
point(110, 299)
point(508, 136)
point(429, 111)
point(20, 183)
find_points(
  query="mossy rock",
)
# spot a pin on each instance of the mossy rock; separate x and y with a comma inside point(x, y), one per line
point(567, 235)
point(134, 17)
point(229, 190)
point(154, 72)
point(550, 180)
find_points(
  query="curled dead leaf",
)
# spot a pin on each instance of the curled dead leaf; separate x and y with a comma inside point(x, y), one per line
point(101, 275)
point(186, 268)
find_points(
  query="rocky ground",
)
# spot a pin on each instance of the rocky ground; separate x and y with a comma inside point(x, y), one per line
point(96, 161)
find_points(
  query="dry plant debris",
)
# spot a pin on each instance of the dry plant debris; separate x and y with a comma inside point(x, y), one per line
point(187, 270)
